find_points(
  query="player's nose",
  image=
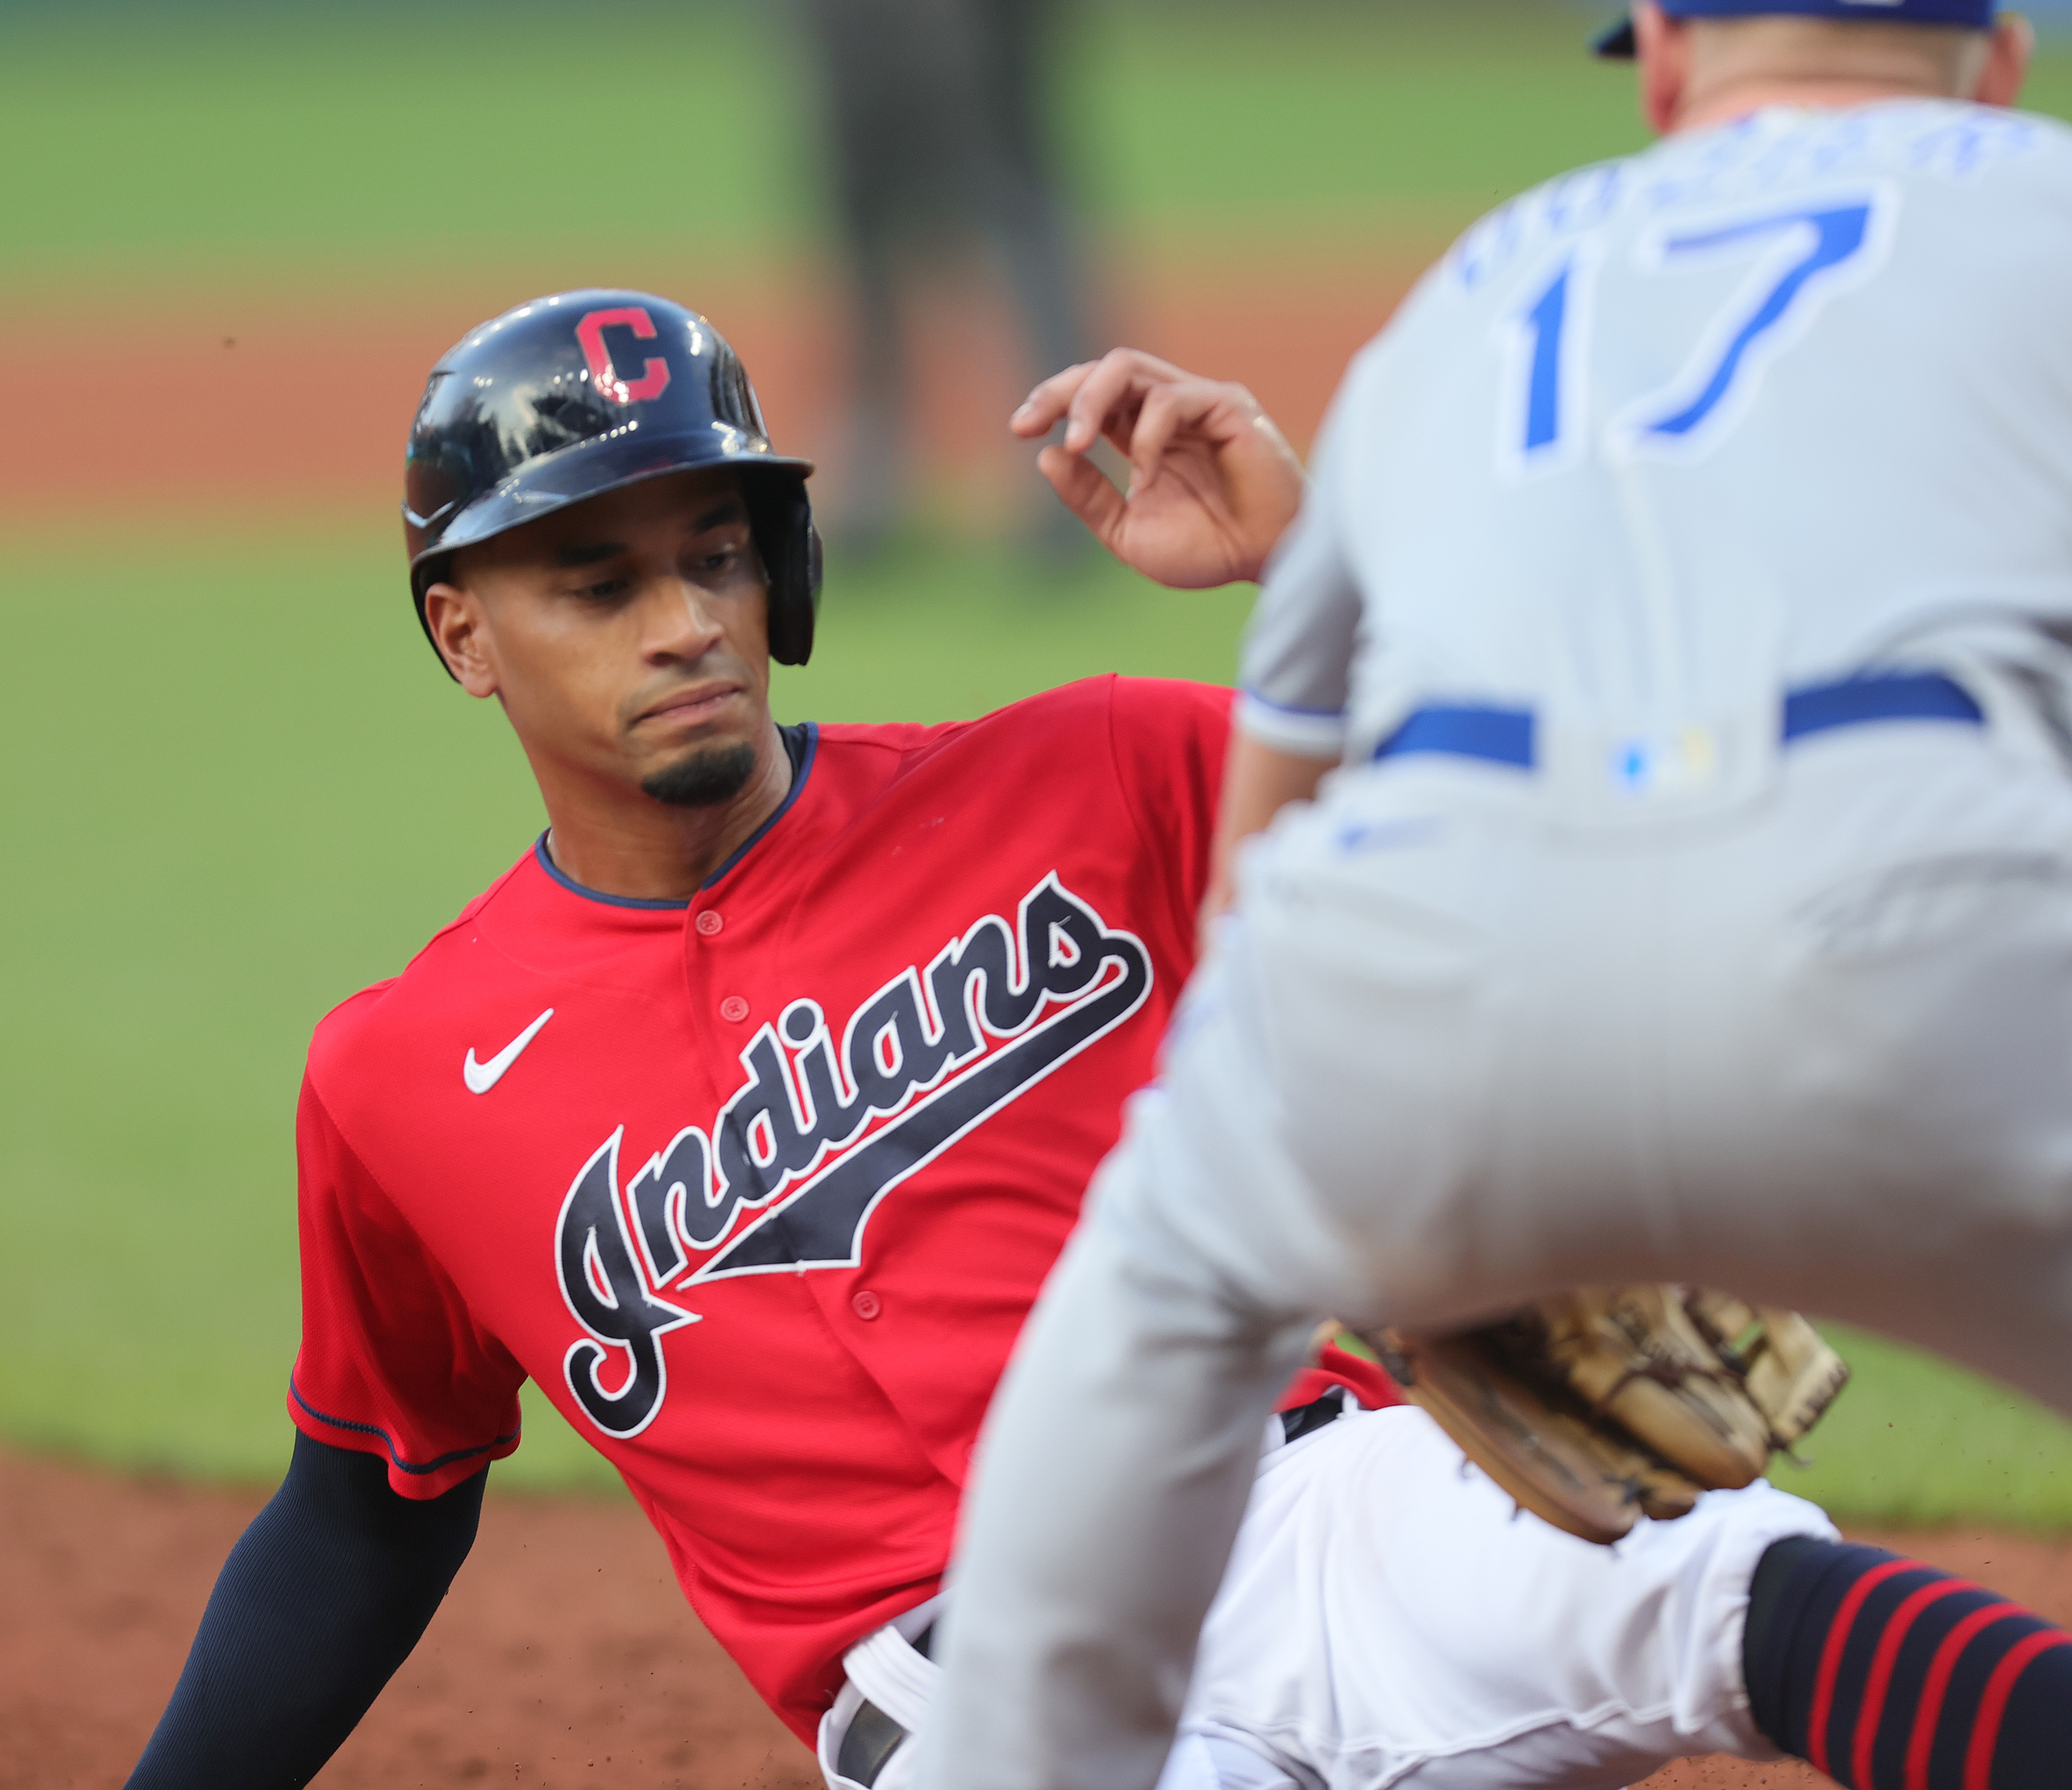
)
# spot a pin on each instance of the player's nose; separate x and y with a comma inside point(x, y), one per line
point(678, 620)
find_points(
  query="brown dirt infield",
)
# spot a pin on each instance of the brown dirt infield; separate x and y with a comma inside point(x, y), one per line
point(564, 1658)
point(254, 400)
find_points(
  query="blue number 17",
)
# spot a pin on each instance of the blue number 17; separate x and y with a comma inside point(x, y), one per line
point(1732, 351)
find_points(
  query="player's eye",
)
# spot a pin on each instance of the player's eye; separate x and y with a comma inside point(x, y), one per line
point(605, 589)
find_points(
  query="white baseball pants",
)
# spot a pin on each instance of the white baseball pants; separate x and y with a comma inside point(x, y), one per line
point(1389, 1619)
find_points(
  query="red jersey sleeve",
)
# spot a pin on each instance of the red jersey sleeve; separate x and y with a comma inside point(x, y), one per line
point(1366, 1380)
point(392, 1363)
point(1169, 740)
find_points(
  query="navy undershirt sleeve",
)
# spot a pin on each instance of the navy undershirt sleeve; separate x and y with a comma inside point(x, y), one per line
point(320, 1600)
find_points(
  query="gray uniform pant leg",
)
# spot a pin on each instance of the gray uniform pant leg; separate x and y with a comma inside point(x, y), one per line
point(1110, 1481)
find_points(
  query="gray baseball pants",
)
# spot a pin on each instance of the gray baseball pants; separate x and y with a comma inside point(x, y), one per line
point(1816, 1049)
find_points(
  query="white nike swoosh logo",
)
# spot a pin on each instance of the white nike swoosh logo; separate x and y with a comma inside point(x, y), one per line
point(482, 1077)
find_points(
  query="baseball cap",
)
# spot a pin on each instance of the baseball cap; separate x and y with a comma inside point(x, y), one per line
point(1976, 15)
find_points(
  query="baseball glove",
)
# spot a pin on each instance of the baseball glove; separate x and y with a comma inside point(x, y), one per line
point(1596, 1408)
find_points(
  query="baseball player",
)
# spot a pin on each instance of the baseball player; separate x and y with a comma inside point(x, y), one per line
point(1681, 589)
point(746, 1112)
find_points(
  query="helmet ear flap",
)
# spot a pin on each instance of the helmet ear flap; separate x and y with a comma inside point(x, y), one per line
point(782, 520)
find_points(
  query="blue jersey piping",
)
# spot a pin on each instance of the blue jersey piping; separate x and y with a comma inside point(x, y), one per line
point(1290, 708)
point(649, 903)
point(784, 808)
point(401, 1465)
point(574, 888)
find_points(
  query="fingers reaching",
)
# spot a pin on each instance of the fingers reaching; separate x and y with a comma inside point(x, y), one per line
point(1212, 482)
point(1195, 405)
point(1109, 398)
point(1087, 491)
point(1039, 412)
point(1094, 398)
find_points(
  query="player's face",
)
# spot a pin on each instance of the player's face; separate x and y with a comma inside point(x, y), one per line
point(627, 637)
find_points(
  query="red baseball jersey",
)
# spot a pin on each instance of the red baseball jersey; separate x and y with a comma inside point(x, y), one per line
point(760, 1189)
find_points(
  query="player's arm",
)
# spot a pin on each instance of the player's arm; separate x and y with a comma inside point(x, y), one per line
point(320, 1600)
point(1215, 495)
point(328, 1590)
point(1259, 780)
point(1213, 484)
point(1295, 668)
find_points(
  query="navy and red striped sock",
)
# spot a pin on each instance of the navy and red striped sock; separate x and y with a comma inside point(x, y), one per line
point(1889, 1675)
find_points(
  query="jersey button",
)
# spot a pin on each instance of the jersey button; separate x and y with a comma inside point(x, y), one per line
point(733, 1009)
point(867, 1304)
point(709, 923)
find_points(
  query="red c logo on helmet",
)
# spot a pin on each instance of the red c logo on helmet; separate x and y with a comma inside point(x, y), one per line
point(654, 380)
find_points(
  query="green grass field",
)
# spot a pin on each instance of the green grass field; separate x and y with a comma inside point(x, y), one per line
point(198, 146)
point(236, 785)
point(301, 143)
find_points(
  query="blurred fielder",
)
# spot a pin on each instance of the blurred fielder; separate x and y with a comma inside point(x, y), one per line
point(1679, 589)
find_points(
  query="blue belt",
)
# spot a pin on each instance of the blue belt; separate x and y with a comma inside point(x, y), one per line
point(1505, 736)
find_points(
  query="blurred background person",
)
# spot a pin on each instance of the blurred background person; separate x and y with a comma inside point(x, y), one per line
point(939, 146)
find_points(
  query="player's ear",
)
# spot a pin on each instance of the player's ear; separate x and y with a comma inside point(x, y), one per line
point(2013, 43)
point(454, 618)
point(1662, 50)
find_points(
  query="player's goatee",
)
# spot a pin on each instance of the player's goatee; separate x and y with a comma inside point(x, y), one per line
point(705, 778)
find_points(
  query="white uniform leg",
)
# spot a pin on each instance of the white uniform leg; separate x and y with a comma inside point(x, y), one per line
point(1387, 1619)
point(1215, 1762)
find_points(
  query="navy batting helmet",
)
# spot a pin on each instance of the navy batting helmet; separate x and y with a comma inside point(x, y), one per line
point(568, 396)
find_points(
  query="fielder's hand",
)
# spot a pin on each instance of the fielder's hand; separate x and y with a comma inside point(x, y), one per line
point(1213, 483)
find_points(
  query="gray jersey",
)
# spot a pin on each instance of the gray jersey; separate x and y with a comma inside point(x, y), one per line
point(1752, 409)
point(1760, 408)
